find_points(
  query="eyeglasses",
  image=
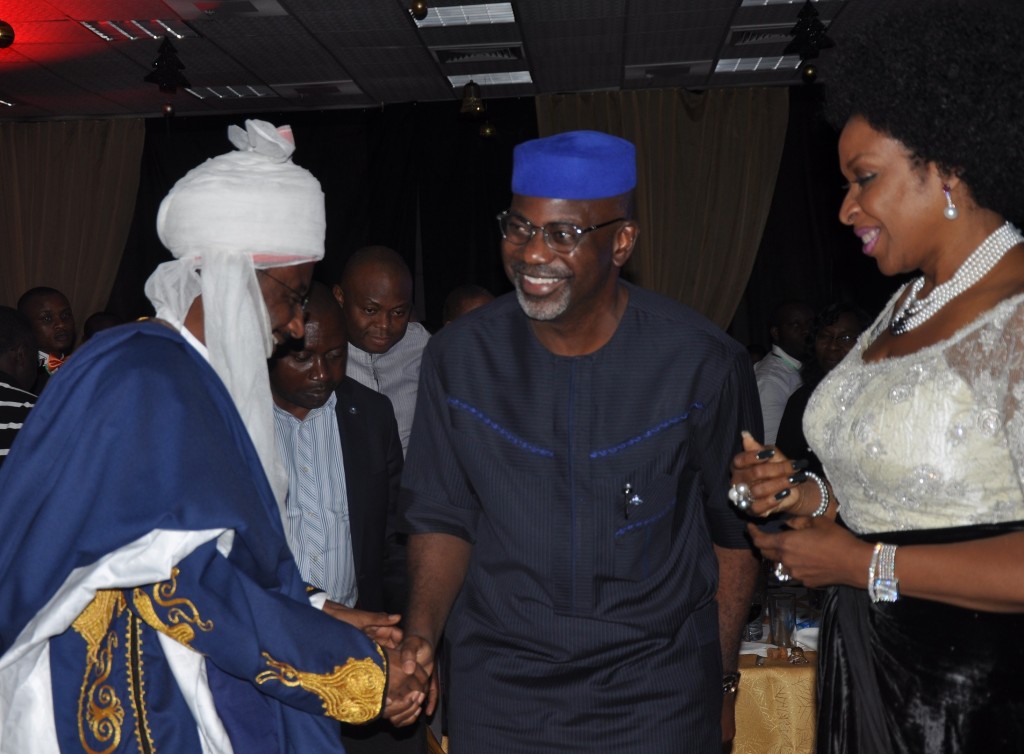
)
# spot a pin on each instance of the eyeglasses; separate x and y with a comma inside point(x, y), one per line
point(303, 299)
point(842, 339)
point(559, 237)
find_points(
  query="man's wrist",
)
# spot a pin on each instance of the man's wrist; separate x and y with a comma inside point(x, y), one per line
point(421, 635)
point(730, 683)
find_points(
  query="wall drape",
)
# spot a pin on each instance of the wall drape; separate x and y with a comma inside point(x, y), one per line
point(706, 169)
point(67, 194)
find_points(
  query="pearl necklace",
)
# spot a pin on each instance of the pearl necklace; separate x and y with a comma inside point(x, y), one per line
point(914, 311)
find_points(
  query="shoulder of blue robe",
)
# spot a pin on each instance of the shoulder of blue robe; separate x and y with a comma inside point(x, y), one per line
point(137, 437)
point(134, 434)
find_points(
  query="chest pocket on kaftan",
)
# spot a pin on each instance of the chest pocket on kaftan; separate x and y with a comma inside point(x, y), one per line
point(644, 537)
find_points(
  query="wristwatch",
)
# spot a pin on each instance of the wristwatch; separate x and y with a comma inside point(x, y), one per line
point(730, 683)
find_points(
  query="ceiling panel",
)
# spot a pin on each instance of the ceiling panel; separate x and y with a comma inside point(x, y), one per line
point(315, 54)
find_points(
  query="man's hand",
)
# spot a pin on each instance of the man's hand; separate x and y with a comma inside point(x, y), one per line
point(381, 627)
point(407, 689)
point(728, 718)
point(418, 652)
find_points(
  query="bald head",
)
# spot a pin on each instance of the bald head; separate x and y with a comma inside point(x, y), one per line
point(381, 260)
point(375, 294)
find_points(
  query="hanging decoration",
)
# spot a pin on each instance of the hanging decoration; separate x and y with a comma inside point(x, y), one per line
point(809, 38)
point(167, 70)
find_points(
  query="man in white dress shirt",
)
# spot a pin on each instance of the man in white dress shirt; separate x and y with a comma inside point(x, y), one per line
point(778, 373)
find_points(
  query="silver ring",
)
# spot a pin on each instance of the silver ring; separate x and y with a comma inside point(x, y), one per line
point(740, 496)
point(781, 574)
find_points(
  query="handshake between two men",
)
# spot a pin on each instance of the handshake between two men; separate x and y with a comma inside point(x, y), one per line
point(412, 685)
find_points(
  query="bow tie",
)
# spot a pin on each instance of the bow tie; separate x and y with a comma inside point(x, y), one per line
point(53, 363)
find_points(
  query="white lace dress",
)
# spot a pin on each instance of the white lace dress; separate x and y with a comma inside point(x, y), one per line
point(930, 440)
point(928, 448)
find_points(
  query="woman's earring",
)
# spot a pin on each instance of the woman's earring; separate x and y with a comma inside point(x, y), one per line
point(951, 212)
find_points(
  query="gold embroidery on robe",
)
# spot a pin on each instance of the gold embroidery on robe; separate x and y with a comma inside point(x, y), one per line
point(100, 712)
point(181, 614)
point(352, 693)
point(137, 686)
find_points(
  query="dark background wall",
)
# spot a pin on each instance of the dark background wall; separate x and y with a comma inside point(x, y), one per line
point(416, 178)
point(419, 179)
point(806, 253)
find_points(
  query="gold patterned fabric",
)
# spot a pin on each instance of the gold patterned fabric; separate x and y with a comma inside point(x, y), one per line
point(351, 693)
point(168, 613)
point(775, 707)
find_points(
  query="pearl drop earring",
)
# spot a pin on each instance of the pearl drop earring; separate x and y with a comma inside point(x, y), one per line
point(951, 212)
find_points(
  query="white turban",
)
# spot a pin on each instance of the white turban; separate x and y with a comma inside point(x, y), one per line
point(228, 217)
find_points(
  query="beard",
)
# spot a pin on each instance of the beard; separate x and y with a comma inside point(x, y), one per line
point(543, 308)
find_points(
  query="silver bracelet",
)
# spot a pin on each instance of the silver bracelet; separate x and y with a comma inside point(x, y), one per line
point(823, 488)
point(883, 586)
point(872, 568)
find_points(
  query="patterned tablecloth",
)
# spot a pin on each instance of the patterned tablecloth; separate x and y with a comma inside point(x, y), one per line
point(775, 707)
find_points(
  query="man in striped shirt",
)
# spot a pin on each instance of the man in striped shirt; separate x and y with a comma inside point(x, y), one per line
point(339, 443)
point(17, 373)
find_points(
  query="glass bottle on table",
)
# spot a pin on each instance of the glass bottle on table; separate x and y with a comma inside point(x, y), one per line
point(754, 630)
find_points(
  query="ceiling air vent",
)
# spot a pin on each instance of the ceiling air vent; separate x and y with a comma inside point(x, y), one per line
point(485, 54)
point(191, 10)
point(760, 35)
point(664, 73)
point(318, 89)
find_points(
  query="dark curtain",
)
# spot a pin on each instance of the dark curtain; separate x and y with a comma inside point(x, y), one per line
point(413, 177)
point(706, 166)
point(67, 192)
point(806, 253)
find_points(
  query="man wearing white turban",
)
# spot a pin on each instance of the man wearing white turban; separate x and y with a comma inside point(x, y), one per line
point(148, 597)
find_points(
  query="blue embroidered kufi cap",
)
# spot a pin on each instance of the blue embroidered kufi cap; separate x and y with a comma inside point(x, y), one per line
point(574, 165)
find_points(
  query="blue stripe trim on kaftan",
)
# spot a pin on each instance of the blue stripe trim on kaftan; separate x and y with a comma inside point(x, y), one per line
point(647, 434)
point(490, 423)
point(645, 522)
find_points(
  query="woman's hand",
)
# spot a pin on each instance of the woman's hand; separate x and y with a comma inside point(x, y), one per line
point(817, 551)
point(776, 483)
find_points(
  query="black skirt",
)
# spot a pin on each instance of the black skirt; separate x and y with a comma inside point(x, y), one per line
point(920, 676)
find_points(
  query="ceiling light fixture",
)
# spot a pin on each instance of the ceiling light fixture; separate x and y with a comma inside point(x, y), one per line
point(490, 79)
point(469, 15)
point(749, 65)
point(6, 34)
point(168, 29)
point(142, 27)
point(418, 9)
point(472, 105)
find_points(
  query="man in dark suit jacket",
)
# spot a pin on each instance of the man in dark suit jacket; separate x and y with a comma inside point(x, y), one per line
point(339, 441)
point(372, 454)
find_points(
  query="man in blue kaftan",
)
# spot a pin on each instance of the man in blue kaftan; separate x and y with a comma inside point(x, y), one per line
point(565, 488)
point(148, 598)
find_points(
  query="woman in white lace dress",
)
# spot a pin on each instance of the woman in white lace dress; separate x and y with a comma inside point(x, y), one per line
point(918, 526)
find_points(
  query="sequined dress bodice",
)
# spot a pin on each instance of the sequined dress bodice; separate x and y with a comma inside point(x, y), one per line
point(933, 439)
